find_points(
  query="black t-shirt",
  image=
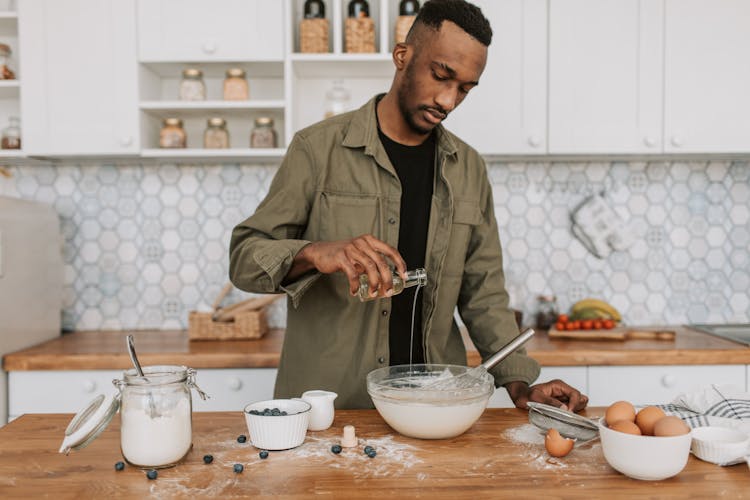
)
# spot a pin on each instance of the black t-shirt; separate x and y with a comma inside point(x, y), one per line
point(415, 166)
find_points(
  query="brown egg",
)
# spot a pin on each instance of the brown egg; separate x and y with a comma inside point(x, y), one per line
point(626, 426)
point(557, 446)
point(646, 419)
point(621, 410)
point(670, 426)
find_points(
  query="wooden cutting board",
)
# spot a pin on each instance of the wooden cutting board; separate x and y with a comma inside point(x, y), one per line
point(619, 333)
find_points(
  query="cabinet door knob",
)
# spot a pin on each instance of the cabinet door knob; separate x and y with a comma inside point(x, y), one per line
point(126, 140)
point(209, 47)
point(649, 141)
point(234, 383)
point(676, 141)
point(668, 380)
point(534, 141)
point(89, 386)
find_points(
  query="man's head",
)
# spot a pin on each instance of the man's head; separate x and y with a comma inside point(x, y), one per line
point(441, 61)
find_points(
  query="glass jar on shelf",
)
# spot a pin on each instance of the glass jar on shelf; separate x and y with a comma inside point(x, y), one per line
point(5, 72)
point(236, 87)
point(546, 311)
point(12, 134)
point(216, 135)
point(263, 134)
point(407, 13)
point(172, 134)
point(337, 99)
point(313, 28)
point(192, 87)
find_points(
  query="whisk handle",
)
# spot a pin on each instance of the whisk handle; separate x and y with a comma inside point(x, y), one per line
point(508, 348)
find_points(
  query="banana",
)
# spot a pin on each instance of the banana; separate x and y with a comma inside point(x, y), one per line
point(589, 307)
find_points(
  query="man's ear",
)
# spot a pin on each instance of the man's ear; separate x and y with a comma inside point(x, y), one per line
point(400, 55)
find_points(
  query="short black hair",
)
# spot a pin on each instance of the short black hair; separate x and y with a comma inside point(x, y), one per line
point(465, 15)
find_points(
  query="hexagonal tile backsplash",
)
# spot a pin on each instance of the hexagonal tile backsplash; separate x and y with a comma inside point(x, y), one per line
point(145, 244)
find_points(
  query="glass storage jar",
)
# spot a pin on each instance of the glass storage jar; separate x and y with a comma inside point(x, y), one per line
point(12, 134)
point(236, 87)
point(263, 134)
point(172, 134)
point(5, 72)
point(216, 135)
point(337, 99)
point(546, 311)
point(192, 87)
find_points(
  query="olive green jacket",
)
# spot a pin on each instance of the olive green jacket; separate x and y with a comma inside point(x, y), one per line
point(336, 182)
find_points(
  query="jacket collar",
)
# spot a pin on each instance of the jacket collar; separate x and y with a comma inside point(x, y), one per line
point(363, 132)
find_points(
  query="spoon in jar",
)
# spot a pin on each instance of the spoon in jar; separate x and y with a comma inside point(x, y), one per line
point(131, 350)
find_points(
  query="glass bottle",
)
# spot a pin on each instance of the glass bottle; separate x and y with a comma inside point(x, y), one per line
point(337, 99)
point(172, 134)
point(359, 8)
point(12, 134)
point(192, 87)
point(216, 135)
point(236, 87)
point(263, 134)
point(5, 72)
point(315, 9)
point(546, 311)
point(415, 277)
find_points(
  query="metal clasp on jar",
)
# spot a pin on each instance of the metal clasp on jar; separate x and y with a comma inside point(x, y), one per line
point(191, 383)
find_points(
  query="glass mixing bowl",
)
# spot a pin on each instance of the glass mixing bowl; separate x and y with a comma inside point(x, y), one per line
point(404, 399)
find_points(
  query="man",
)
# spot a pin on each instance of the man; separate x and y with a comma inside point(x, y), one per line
point(384, 186)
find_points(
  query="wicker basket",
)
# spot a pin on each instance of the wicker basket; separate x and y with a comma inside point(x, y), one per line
point(403, 25)
point(243, 320)
point(360, 35)
point(313, 36)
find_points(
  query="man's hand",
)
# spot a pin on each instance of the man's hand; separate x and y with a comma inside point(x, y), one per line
point(555, 393)
point(363, 254)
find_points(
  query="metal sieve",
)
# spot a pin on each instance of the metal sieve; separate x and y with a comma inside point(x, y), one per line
point(567, 423)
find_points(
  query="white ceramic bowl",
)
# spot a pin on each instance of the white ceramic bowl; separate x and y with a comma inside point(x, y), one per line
point(280, 432)
point(398, 394)
point(719, 445)
point(649, 458)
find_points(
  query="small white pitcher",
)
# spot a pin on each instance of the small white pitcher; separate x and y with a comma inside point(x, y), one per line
point(321, 415)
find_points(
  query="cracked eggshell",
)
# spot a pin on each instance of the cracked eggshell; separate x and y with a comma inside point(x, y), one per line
point(557, 446)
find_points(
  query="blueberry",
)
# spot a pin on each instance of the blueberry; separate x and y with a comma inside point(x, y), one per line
point(238, 468)
point(266, 410)
point(208, 458)
point(152, 474)
point(368, 449)
point(119, 466)
point(241, 438)
point(284, 413)
point(371, 454)
point(336, 448)
point(263, 454)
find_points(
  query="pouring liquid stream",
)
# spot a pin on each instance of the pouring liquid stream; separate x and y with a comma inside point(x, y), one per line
point(411, 338)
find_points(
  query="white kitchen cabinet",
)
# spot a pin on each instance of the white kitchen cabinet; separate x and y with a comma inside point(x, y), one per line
point(79, 72)
point(220, 30)
point(572, 375)
point(605, 76)
point(233, 389)
point(707, 76)
point(507, 112)
point(643, 385)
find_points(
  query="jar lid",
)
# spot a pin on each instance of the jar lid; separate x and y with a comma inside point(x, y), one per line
point(192, 73)
point(173, 122)
point(217, 122)
point(264, 121)
point(90, 422)
point(236, 73)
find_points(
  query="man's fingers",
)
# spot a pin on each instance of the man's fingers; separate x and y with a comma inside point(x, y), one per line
point(391, 253)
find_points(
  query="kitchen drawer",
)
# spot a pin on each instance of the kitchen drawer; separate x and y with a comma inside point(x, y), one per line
point(571, 375)
point(643, 385)
point(233, 389)
point(51, 391)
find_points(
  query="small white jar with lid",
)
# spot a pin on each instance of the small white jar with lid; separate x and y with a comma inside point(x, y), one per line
point(155, 413)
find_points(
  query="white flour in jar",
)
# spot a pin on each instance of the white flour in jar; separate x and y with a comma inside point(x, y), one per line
point(158, 441)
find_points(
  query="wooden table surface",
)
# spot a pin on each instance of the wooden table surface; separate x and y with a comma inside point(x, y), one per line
point(105, 350)
point(499, 457)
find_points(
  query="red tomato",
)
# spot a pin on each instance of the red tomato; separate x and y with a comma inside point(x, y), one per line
point(563, 318)
point(587, 324)
point(598, 324)
point(560, 326)
point(577, 325)
point(570, 326)
point(609, 324)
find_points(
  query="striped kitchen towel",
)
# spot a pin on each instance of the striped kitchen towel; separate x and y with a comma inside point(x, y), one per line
point(725, 406)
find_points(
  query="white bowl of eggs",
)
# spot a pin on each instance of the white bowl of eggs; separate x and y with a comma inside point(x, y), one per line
point(647, 445)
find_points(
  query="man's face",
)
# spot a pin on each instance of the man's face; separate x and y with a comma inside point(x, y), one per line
point(439, 75)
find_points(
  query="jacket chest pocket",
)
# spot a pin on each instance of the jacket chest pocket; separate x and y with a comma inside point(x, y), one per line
point(466, 216)
point(347, 216)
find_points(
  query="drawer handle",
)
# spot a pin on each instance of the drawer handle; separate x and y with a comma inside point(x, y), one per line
point(534, 141)
point(668, 380)
point(649, 141)
point(89, 386)
point(234, 383)
point(209, 47)
point(126, 140)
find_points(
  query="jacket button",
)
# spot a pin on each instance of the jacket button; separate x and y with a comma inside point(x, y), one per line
point(391, 221)
point(384, 313)
point(381, 360)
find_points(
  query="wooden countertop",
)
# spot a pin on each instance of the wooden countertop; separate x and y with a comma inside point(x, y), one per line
point(501, 456)
point(105, 350)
